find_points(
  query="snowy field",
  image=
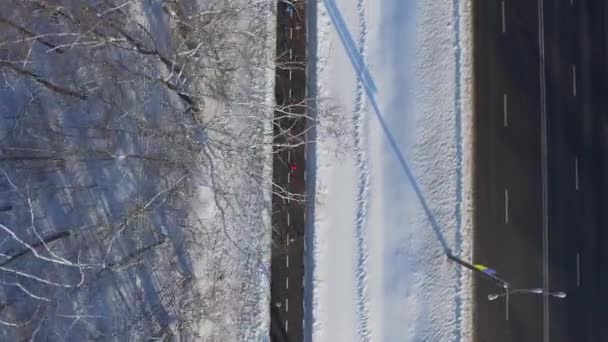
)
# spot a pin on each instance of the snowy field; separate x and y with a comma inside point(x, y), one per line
point(388, 210)
point(135, 169)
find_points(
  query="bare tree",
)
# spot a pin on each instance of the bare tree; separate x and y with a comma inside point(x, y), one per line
point(114, 123)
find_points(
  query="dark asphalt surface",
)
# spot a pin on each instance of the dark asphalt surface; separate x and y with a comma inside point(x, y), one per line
point(508, 237)
point(287, 264)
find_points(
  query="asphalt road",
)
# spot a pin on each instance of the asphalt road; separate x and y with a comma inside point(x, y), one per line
point(564, 251)
point(287, 264)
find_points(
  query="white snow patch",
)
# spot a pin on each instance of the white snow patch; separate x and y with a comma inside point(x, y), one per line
point(414, 292)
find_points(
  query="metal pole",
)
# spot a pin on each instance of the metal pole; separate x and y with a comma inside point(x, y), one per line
point(502, 283)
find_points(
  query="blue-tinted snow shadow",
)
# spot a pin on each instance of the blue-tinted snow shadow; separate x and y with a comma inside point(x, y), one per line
point(370, 89)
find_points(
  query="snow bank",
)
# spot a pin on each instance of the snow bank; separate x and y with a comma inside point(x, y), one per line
point(387, 211)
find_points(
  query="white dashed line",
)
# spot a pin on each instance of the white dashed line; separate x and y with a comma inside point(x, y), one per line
point(506, 205)
point(287, 282)
point(286, 304)
point(576, 173)
point(290, 74)
point(573, 80)
point(504, 24)
point(578, 270)
point(504, 110)
point(288, 155)
point(290, 33)
point(288, 218)
point(290, 54)
point(286, 325)
point(289, 93)
point(287, 242)
point(288, 180)
point(287, 261)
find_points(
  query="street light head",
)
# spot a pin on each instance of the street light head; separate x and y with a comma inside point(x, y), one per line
point(492, 296)
point(559, 294)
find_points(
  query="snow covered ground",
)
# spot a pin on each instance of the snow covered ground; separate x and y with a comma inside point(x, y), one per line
point(135, 170)
point(388, 210)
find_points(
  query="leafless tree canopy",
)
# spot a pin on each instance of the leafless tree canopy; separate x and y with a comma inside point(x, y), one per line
point(135, 167)
point(114, 115)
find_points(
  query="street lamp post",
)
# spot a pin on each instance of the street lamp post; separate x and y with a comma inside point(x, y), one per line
point(557, 294)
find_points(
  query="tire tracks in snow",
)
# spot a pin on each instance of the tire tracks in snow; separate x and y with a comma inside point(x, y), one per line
point(362, 299)
point(457, 46)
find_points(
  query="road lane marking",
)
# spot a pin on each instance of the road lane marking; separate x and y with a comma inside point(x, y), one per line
point(288, 180)
point(504, 110)
point(507, 305)
point(290, 54)
point(544, 162)
point(287, 242)
point(502, 9)
point(578, 270)
point(287, 261)
point(290, 74)
point(573, 79)
point(576, 173)
point(289, 92)
point(289, 155)
point(288, 218)
point(286, 325)
point(290, 33)
point(287, 282)
point(286, 304)
point(305, 175)
point(507, 206)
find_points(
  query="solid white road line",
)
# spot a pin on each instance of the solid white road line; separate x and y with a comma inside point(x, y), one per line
point(578, 270)
point(287, 261)
point(504, 110)
point(544, 162)
point(507, 305)
point(573, 79)
point(576, 173)
point(507, 206)
point(287, 282)
point(502, 9)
